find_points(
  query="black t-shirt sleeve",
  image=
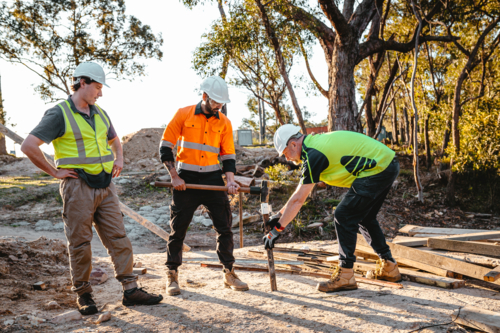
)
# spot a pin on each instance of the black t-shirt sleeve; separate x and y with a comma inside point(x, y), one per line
point(166, 154)
point(229, 166)
point(111, 132)
point(51, 126)
point(313, 165)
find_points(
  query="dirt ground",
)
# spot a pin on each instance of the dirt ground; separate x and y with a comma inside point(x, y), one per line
point(206, 306)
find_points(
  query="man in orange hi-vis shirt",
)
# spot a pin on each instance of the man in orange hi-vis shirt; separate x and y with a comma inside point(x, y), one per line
point(201, 133)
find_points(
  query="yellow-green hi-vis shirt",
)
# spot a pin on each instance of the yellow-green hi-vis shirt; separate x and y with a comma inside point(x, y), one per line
point(338, 158)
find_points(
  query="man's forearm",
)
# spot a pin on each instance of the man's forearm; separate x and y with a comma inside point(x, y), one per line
point(36, 156)
point(116, 147)
point(170, 166)
point(230, 176)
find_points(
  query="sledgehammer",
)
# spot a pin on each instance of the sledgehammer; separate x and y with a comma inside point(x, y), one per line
point(263, 191)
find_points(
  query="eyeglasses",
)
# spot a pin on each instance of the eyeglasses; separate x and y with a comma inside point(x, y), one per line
point(214, 103)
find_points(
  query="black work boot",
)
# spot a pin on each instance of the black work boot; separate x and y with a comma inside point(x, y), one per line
point(138, 296)
point(86, 304)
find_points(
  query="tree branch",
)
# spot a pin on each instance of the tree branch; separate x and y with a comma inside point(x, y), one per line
point(316, 83)
point(336, 18)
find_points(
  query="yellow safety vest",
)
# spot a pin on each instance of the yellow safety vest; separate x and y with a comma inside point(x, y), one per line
point(81, 147)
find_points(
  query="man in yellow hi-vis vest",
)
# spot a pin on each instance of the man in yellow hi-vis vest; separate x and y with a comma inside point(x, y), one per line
point(87, 155)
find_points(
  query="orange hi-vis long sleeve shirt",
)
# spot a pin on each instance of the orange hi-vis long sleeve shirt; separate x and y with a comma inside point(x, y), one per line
point(199, 139)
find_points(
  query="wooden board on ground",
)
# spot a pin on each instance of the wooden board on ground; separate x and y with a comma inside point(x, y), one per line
point(467, 257)
point(461, 246)
point(480, 319)
point(453, 265)
point(493, 275)
point(432, 280)
point(422, 241)
point(418, 231)
point(412, 263)
point(246, 220)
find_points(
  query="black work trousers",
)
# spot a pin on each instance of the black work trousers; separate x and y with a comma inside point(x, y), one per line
point(184, 204)
point(358, 211)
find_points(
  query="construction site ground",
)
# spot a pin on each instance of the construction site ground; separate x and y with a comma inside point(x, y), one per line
point(31, 208)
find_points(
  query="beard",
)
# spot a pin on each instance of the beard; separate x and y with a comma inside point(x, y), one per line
point(209, 109)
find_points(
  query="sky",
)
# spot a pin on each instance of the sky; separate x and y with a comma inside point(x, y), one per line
point(169, 84)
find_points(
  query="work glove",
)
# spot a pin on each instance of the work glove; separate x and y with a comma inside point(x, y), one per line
point(273, 222)
point(271, 237)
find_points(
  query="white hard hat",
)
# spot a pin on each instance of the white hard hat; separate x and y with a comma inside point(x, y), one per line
point(216, 89)
point(91, 70)
point(282, 135)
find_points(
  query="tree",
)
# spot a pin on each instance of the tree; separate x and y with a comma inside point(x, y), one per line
point(51, 38)
point(3, 121)
point(344, 46)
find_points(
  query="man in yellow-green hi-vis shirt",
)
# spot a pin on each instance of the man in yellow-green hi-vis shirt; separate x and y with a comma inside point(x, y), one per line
point(87, 154)
point(343, 159)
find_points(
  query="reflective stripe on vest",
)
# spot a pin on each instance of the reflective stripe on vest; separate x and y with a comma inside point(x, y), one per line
point(94, 138)
point(168, 144)
point(228, 157)
point(198, 146)
point(198, 168)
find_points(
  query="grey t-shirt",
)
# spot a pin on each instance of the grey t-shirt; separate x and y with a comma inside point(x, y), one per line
point(52, 126)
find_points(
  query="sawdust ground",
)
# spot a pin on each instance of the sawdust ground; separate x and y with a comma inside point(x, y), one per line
point(206, 306)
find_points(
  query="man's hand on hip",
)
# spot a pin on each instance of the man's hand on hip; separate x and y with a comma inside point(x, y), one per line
point(65, 173)
point(232, 187)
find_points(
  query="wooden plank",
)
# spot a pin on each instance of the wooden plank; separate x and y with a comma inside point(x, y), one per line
point(467, 257)
point(412, 263)
point(412, 230)
point(19, 140)
point(246, 261)
point(359, 279)
point(432, 280)
point(461, 246)
point(148, 224)
point(453, 265)
point(140, 270)
point(477, 318)
point(493, 275)
point(422, 241)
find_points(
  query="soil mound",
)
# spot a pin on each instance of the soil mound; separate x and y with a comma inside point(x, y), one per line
point(140, 149)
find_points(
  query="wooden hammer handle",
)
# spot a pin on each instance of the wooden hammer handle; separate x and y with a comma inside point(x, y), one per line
point(203, 187)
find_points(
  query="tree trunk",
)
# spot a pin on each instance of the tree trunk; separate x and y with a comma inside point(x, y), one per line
point(402, 131)
point(281, 62)
point(370, 122)
point(446, 138)
point(427, 143)
point(411, 131)
point(3, 146)
point(342, 106)
point(263, 133)
point(407, 126)
point(394, 123)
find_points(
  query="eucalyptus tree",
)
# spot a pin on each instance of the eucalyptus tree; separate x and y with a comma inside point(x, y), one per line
point(51, 38)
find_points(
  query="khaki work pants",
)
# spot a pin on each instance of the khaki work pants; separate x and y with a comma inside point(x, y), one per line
point(82, 206)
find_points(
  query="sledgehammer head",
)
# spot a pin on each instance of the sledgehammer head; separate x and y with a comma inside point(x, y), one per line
point(264, 192)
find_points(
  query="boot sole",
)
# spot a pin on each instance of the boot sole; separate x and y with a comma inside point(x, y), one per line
point(338, 289)
point(90, 310)
point(173, 293)
point(235, 288)
point(151, 301)
point(391, 279)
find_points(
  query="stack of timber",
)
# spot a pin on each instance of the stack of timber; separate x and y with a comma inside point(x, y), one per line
point(472, 253)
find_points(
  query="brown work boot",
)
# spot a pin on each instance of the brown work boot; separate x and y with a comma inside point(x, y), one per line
point(173, 283)
point(386, 270)
point(140, 297)
point(231, 280)
point(86, 304)
point(342, 279)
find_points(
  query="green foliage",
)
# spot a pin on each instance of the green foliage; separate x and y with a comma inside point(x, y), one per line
point(280, 173)
point(52, 37)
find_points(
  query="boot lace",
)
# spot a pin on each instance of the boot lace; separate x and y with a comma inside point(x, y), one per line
point(336, 271)
point(379, 271)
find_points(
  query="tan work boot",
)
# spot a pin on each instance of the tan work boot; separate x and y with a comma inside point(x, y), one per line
point(342, 279)
point(231, 280)
point(386, 270)
point(173, 283)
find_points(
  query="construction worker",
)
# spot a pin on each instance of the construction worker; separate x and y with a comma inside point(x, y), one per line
point(87, 154)
point(201, 133)
point(343, 159)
